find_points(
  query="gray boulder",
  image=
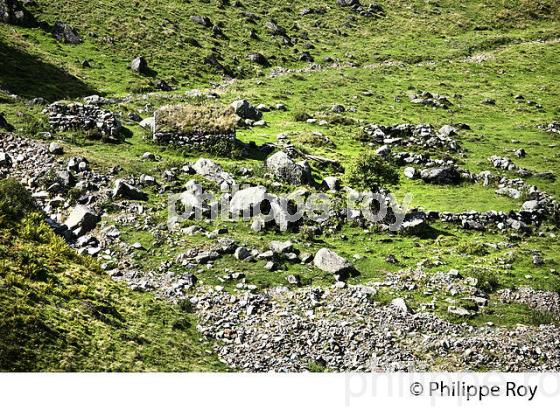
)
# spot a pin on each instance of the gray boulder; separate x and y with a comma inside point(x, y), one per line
point(245, 110)
point(202, 20)
point(415, 226)
point(66, 33)
point(259, 59)
point(410, 172)
point(247, 201)
point(283, 167)
point(139, 65)
point(209, 169)
point(280, 247)
point(56, 149)
point(441, 176)
point(331, 183)
point(328, 261)
point(241, 253)
point(126, 191)
point(13, 12)
point(400, 305)
point(82, 218)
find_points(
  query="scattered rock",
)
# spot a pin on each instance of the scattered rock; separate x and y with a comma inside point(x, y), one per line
point(56, 149)
point(245, 110)
point(328, 261)
point(400, 305)
point(443, 175)
point(202, 20)
point(139, 65)
point(126, 191)
point(66, 33)
point(284, 168)
point(82, 219)
point(14, 12)
point(259, 59)
point(280, 247)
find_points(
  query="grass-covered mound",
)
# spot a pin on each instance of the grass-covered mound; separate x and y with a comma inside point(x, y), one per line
point(59, 312)
point(188, 118)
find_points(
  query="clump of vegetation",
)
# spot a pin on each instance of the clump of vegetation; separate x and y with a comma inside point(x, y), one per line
point(15, 201)
point(188, 118)
point(301, 116)
point(371, 172)
point(473, 248)
point(529, 9)
point(60, 312)
point(487, 279)
point(541, 317)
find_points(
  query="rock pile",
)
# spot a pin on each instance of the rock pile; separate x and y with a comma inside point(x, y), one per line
point(344, 329)
point(553, 127)
point(88, 117)
point(432, 100)
point(13, 12)
point(371, 10)
point(508, 165)
point(50, 178)
point(422, 135)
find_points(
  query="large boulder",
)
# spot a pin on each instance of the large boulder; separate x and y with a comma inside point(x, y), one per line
point(13, 12)
point(139, 65)
point(259, 59)
point(328, 261)
point(209, 169)
point(82, 219)
point(281, 247)
point(245, 110)
point(416, 226)
point(283, 167)
point(247, 202)
point(202, 20)
point(66, 33)
point(126, 191)
point(441, 175)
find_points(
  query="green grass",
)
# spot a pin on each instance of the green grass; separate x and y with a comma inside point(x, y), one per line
point(59, 312)
point(419, 45)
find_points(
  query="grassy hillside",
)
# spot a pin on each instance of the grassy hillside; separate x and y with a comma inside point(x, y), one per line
point(470, 51)
point(114, 32)
point(59, 312)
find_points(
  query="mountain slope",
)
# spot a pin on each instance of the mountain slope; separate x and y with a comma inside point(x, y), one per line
point(59, 312)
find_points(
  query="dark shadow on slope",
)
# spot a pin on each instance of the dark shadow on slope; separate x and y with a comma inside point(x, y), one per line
point(29, 77)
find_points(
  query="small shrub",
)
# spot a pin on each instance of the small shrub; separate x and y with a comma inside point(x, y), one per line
point(371, 172)
point(307, 233)
point(301, 116)
point(541, 317)
point(487, 280)
point(186, 306)
point(473, 248)
point(15, 201)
